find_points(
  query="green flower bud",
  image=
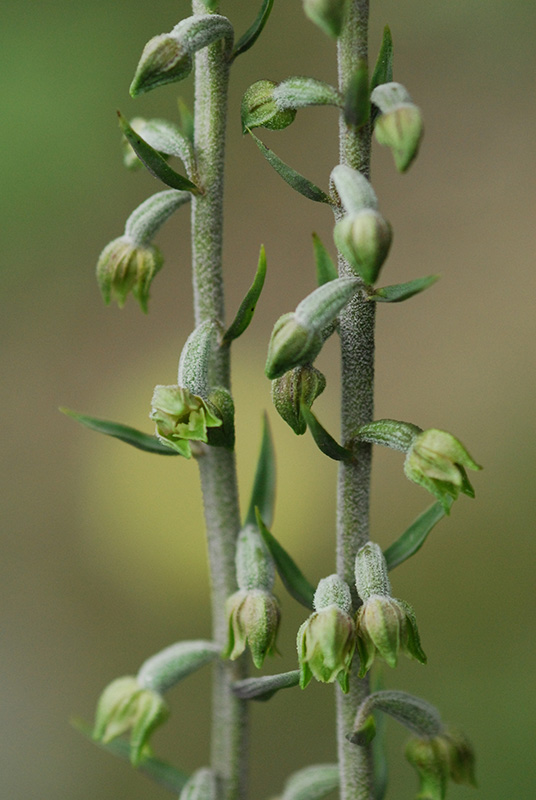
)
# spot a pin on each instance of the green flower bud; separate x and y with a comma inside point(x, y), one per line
point(259, 109)
point(253, 618)
point(400, 125)
point(297, 386)
point(125, 267)
point(436, 460)
point(297, 337)
point(385, 626)
point(438, 758)
point(255, 567)
point(364, 238)
point(326, 641)
point(327, 14)
point(125, 705)
point(181, 417)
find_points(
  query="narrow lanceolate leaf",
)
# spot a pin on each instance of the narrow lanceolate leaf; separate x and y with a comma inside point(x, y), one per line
point(326, 270)
point(143, 441)
point(402, 291)
point(153, 161)
point(263, 492)
point(298, 182)
point(324, 441)
point(160, 772)
point(252, 34)
point(300, 92)
point(383, 71)
point(186, 120)
point(415, 536)
point(245, 313)
point(264, 688)
point(291, 575)
point(357, 97)
point(312, 783)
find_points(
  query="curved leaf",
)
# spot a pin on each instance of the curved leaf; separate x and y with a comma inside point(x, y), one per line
point(254, 31)
point(415, 536)
point(293, 579)
point(402, 291)
point(143, 441)
point(161, 772)
point(263, 491)
point(383, 71)
point(326, 270)
point(324, 441)
point(153, 161)
point(264, 688)
point(244, 315)
point(296, 181)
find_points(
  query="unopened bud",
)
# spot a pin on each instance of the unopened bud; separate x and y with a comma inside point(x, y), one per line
point(400, 124)
point(253, 618)
point(259, 109)
point(438, 758)
point(364, 238)
point(297, 386)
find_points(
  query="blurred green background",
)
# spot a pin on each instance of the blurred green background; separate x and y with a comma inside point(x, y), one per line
point(103, 554)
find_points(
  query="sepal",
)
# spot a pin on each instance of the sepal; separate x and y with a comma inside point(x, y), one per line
point(301, 385)
point(399, 125)
point(125, 705)
point(438, 758)
point(329, 15)
point(385, 627)
point(181, 418)
point(125, 267)
point(168, 58)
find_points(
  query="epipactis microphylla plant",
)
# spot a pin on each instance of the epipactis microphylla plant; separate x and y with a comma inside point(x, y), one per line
point(354, 620)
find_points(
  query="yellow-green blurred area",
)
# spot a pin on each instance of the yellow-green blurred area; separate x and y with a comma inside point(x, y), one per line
point(103, 556)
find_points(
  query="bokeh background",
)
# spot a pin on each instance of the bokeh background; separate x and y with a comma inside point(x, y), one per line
point(103, 555)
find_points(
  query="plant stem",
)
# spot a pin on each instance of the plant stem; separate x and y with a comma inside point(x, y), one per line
point(217, 465)
point(357, 364)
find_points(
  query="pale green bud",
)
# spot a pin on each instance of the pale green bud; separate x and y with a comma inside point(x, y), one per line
point(385, 627)
point(371, 572)
point(181, 418)
point(201, 786)
point(255, 567)
point(400, 124)
point(259, 108)
point(326, 643)
point(125, 267)
point(125, 705)
point(297, 337)
point(437, 460)
point(329, 15)
point(438, 758)
point(364, 238)
point(253, 620)
point(168, 58)
point(297, 386)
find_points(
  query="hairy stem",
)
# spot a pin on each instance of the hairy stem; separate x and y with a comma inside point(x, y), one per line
point(357, 363)
point(217, 465)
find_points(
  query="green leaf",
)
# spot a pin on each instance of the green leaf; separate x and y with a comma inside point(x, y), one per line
point(153, 161)
point(186, 120)
point(326, 270)
point(324, 441)
point(383, 71)
point(293, 579)
point(300, 184)
point(245, 313)
point(402, 291)
point(357, 97)
point(161, 772)
point(252, 34)
point(263, 492)
point(143, 441)
point(264, 688)
point(415, 536)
